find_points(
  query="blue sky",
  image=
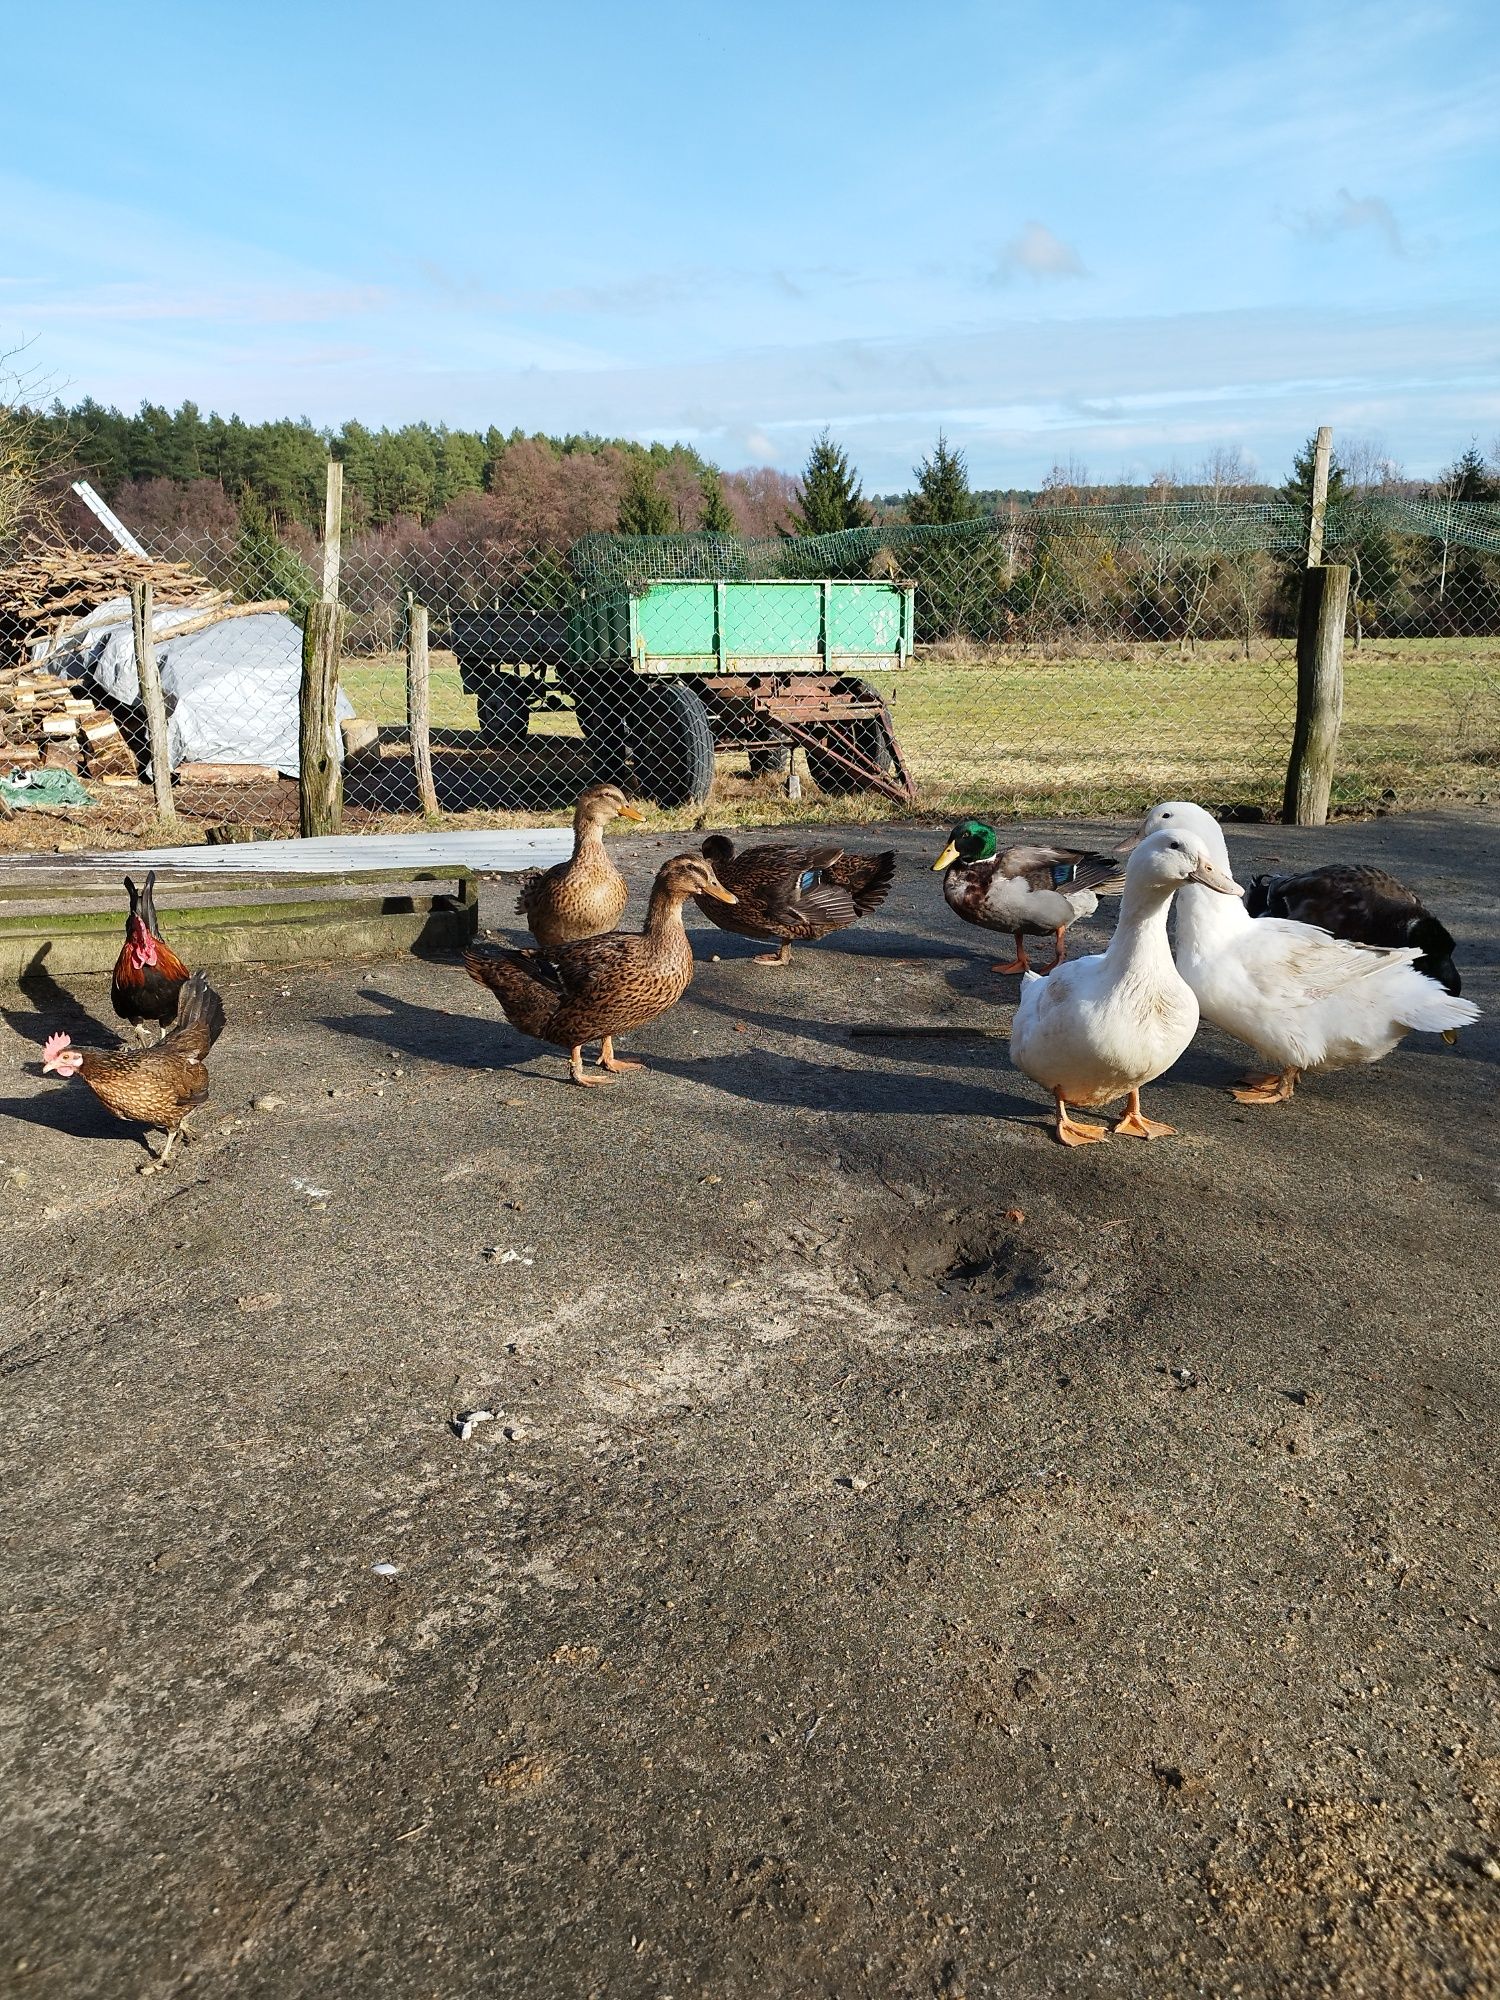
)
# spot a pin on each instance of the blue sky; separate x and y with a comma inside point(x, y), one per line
point(1118, 233)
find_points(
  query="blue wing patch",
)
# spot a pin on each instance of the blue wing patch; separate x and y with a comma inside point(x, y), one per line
point(809, 877)
point(1063, 871)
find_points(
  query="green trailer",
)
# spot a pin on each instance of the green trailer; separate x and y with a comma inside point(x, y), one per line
point(664, 674)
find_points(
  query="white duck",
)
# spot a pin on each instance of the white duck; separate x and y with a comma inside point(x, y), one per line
point(1302, 999)
point(1096, 1029)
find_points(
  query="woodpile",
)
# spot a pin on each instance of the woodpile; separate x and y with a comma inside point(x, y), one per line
point(47, 591)
point(45, 720)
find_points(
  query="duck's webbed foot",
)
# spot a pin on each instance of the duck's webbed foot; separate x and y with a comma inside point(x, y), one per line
point(610, 1061)
point(1136, 1125)
point(1075, 1131)
point(576, 1070)
point(1276, 1088)
point(782, 957)
point(1020, 963)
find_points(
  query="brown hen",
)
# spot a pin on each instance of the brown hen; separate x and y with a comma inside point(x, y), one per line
point(157, 1087)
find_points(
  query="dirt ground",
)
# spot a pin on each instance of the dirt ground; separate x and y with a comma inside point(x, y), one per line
point(908, 1559)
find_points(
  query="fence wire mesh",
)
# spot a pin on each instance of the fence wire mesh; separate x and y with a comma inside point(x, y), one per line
point(1046, 662)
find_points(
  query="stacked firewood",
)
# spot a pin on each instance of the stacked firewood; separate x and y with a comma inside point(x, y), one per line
point(46, 592)
point(47, 720)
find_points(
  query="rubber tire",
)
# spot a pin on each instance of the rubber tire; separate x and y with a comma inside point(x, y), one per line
point(504, 711)
point(603, 704)
point(873, 742)
point(672, 744)
point(773, 757)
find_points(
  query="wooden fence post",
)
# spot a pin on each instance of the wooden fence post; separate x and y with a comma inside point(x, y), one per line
point(1317, 513)
point(1320, 694)
point(321, 787)
point(419, 706)
point(148, 676)
point(333, 528)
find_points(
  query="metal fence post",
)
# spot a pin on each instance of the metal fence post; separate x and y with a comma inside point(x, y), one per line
point(321, 786)
point(418, 705)
point(1320, 695)
point(148, 677)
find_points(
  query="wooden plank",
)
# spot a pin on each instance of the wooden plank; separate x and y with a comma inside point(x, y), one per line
point(333, 529)
point(109, 517)
point(152, 700)
point(325, 932)
point(1320, 695)
point(485, 850)
point(322, 782)
point(419, 706)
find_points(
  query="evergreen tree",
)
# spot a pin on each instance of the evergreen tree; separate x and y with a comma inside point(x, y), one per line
point(264, 565)
point(831, 499)
point(1297, 490)
point(644, 508)
point(943, 492)
point(717, 517)
point(1469, 478)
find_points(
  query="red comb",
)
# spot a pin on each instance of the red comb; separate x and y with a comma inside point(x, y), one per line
point(55, 1043)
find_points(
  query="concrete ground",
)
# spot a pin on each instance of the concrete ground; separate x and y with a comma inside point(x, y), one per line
point(908, 1558)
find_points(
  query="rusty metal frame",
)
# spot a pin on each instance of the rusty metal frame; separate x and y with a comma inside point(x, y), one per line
point(811, 709)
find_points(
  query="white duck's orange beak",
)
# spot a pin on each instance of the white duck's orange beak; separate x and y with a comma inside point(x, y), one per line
point(1215, 878)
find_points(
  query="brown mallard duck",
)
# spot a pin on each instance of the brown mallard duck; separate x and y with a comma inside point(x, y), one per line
point(598, 987)
point(1025, 890)
point(796, 894)
point(585, 895)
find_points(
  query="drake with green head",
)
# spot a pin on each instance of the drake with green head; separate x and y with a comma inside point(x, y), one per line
point(1025, 890)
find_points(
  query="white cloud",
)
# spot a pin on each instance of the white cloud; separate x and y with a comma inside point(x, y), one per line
point(1350, 213)
point(1038, 253)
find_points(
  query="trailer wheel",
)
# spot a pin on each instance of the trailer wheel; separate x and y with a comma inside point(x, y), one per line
point(602, 703)
point(504, 710)
point(673, 744)
point(872, 739)
point(773, 757)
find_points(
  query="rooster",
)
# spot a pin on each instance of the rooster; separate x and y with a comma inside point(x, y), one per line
point(157, 1087)
point(148, 977)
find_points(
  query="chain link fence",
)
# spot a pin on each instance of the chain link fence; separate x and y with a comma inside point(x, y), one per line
point(1047, 662)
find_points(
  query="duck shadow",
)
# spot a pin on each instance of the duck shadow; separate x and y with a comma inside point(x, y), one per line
point(460, 1041)
point(763, 1077)
point(985, 1049)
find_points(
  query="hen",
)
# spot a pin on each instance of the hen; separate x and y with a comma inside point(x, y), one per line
point(148, 975)
point(157, 1087)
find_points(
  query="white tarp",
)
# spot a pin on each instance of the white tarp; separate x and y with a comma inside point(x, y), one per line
point(231, 690)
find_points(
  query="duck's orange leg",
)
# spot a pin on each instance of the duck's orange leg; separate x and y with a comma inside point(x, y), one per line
point(1135, 1124)
point(1060, 936)
point(1020, 963)
point(575, 1067)
point(782, 957)
point(1073, 1131)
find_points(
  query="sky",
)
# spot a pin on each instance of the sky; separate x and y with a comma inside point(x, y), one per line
point(1116, 235)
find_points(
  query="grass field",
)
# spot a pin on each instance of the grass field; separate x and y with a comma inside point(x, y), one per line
point(1103, 733)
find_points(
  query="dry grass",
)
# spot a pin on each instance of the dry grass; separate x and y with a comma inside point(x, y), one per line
point(1029, 735)
point(1105, 732)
